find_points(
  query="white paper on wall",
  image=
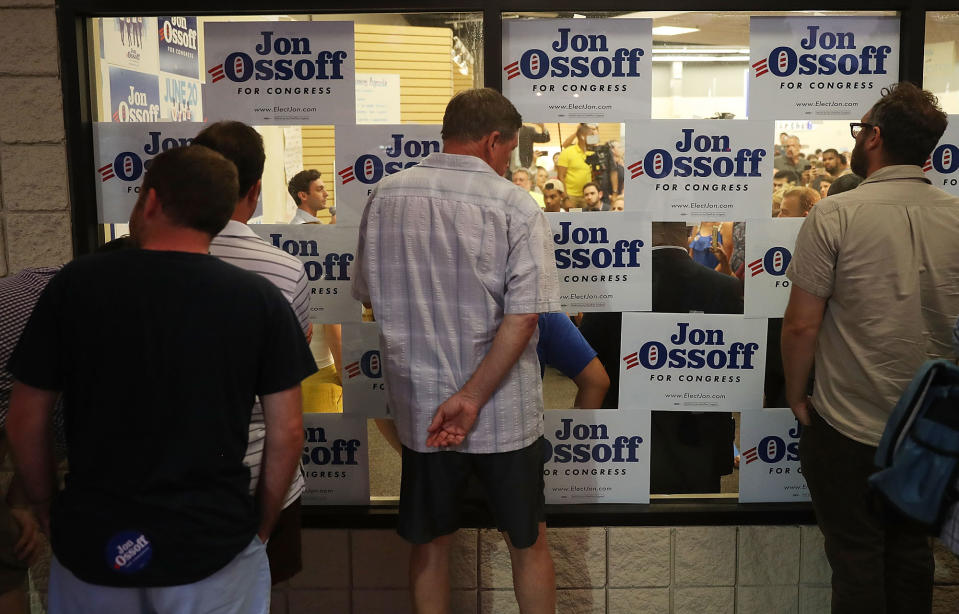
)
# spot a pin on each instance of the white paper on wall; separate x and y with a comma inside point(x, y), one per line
point(597, 456)
point(327, 253)
point(692, 362)
point(685, 170)
point(578, 70)
point(769, 463)
point(820, 67)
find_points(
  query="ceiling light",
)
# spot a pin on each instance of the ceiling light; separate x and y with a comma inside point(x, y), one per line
point(672, 30)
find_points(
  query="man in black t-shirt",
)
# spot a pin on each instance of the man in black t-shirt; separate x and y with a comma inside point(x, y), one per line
point(156, 514)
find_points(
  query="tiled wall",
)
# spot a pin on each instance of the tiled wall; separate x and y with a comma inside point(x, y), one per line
point(34, 204)
point(615, 570)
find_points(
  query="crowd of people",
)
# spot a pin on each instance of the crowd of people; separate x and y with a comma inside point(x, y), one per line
point(183, 436)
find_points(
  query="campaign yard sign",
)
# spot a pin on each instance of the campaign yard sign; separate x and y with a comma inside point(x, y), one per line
point(366, 154)
point(769, 464)
point(769, 248)
point(122, 153)
point(336, 462)
point(280, 72)
point(364, 388)
point(942, 167)
point(578, 70)
point(596, 456)
point(683, 170)
point(820, 67)
point(691, 362)
point(181, 99)
point(603, 260)
point(130, 42)
point(179, 46)
point(134, 96)
point(327, 253)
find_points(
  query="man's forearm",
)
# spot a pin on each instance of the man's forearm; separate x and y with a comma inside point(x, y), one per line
point(334, 340)
point(31, 440)
point(283, 415)
point(798, 354)
point(510, 340)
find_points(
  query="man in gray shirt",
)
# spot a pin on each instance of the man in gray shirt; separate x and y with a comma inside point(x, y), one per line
point(457, 263)
point(873, 297)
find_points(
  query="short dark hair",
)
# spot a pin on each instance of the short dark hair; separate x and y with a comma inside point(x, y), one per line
point(835, 152)
point(240, 144)
point(301, 183)
point(910, 123)
point(790, 176)
point(195, 185)
point(844, 183)
point(473, 114)
point(595, 185)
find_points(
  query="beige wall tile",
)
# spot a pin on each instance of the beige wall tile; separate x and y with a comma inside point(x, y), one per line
point(463, 557)
point(311, 602)
point(497, 601)
point(381, 559)
point(395, 601)
point(494, 564)
point(815, 600)
point(704, 556)
point(768, 555)
point(34, 177)
point(38, 239)
point(639, 556)
point(326, 560)
point(634, 600)
point(581, 601)
point(579, 555)
point(32, 32)
point(702, 599)
point(465, 601)
point(947, 564)
point(31, 110)
point(814, 568)
point(945, 600)
point(767, 599)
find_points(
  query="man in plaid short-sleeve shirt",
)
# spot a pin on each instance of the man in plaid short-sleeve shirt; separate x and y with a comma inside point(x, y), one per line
point(457, 263)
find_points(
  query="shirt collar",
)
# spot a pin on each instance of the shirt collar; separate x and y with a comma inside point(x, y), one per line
point(458, 162)
point(234, 228)
point(897, 171)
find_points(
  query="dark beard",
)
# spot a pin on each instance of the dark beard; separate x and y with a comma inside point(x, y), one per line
point(857, 161)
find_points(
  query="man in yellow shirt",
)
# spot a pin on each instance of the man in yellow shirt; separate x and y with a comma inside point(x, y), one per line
point(571, 166)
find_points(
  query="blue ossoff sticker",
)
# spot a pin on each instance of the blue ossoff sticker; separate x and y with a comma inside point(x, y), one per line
point(129, 551)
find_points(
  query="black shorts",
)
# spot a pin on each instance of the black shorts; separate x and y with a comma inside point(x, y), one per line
point(433, 485)
point(283, 548)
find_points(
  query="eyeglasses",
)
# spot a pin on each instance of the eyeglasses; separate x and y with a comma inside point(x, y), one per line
point(856, 128)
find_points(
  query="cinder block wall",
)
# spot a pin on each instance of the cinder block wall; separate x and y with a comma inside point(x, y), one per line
point(34, 204)
point(614, 570)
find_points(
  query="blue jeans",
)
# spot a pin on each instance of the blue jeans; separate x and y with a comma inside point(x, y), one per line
point(241, 587)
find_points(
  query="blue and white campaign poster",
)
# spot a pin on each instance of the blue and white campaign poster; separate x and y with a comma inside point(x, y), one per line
point(130, 42)
point(579, 70)
point(327, 253)
point(336, 460)
point(179, 41)
point(820, 67)
point(942, 167)
point(366, 154)
point(682, 170)
point(603, 261)
point(134, 96)
point(596, 456)
point(180, 99)
point(121, 153)
point(769, 463)
point(691, 362)
point(280, 72)
point(364, 388)
point(769, 247)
